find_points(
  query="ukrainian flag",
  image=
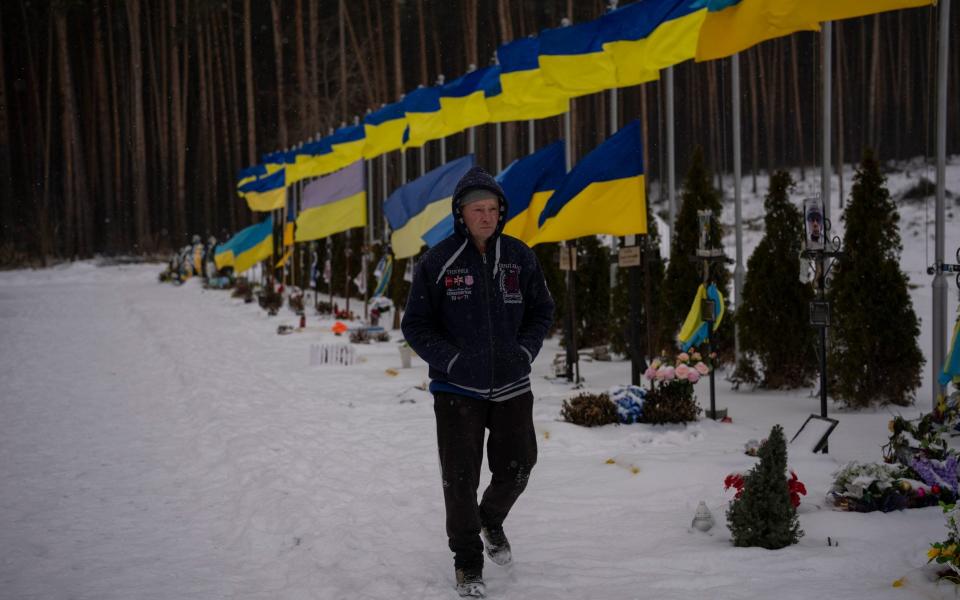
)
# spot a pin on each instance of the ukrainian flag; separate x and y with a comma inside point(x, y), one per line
point(645, 37)
point(250, 174)
point(312, 160)
point(573, 60)
point(241, 243)
point(384, 130)
point(463, 102)
point(528, 183)
point(267, 193)
point(347, 144)
point(521, 78)
point(382, 272)
point(414, 209)
point(257, 245)
point(502, 111)
point(604, 194)
point(332, 204)
point(424, 117)
point(735, 25)
point(695, 330)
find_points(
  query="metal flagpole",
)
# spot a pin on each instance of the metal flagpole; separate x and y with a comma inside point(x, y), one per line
point(498, 127)
point(739, 270)
point(671, 180)
point(365, 249)
point(826, 97)
point(940, 278)
point(573, 367)
point(443, 140)
point(383, 194)
point(531, 137)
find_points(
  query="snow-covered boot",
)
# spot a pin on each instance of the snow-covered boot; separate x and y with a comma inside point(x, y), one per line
point(470, 583)
point(496, 544)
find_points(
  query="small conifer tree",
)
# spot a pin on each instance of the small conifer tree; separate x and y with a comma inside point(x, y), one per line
point(773, 315)
point(762, 514)
point(683, 276)
point(874, 356)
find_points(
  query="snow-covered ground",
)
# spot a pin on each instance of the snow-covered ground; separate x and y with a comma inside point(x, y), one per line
point(165, 443)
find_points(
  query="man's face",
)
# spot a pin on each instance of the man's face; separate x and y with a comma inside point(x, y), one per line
point(481, 217)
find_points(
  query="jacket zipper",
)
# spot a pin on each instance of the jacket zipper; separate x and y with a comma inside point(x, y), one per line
point(486, 295)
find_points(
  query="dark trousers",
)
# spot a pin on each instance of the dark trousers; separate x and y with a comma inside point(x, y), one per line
point(511, 454)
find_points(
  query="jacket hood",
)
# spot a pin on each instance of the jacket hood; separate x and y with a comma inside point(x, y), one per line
point(474, 179)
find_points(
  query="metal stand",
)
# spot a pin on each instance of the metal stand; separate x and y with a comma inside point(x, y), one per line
point(823, 260)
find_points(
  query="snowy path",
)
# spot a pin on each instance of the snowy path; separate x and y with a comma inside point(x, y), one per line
point(165, 443)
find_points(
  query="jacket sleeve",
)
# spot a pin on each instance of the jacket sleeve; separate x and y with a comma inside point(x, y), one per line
point(538, 310)
point(421, 322)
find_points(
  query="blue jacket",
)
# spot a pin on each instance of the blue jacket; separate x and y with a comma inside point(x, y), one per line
point(478, 320)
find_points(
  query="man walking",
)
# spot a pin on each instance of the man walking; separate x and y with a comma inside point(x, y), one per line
point(478, 311)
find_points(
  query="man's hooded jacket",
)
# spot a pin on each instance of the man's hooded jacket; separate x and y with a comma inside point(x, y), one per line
point(478, 319)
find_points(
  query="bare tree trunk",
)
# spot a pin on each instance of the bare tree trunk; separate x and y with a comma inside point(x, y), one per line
point(303, 85)
point(397, 51)
point(381, 38)
point(236, 141)
point(424, 75)
point(178, 221)
point(313, 34)
point(6, 171)
point(106, 197)
point(754, 116)
point(121, 210)
point(159, 137)
point(218, 83)
point(874, 85)
point(840, 76)
point(341, 12)
point(470, 22)
point(509, 128)
point(248, 70)
point(797, 107)
point(206, 133)
point(766, 101)
point(379, 93)
point(364, 74)
point(139, 151)
point(43, 212)
point(72, 161)
point(278, 61)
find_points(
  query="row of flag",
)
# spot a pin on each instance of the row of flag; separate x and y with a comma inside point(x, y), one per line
point(603, 194)
point(535, 77)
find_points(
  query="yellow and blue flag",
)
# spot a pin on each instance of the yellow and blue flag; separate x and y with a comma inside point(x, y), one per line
point(573, 60)
point(266, 193)
point(521, 78)
point(604, 194)
point(334, 203)
point(414, 209)
point(347, 145)
point(382, 273)
point(501, 111)
point(250, 174)
point(313, 160)
point(644, 37)
point(248, 247)
point(735, 25)
point(695, 330)
point(384, 130)
point(463, 102)
point(528, 183)
point(424, 118)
